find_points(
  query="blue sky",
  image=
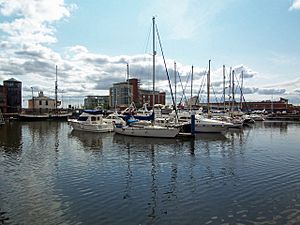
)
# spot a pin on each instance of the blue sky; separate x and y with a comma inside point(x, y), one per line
point(91, 41)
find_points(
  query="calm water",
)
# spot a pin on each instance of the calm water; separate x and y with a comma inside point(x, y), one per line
point(51, 175)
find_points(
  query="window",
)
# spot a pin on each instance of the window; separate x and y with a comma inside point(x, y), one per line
point(46, 102)
point(40, 102)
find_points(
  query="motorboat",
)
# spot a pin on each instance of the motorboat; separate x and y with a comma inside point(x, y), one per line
point(93, 121)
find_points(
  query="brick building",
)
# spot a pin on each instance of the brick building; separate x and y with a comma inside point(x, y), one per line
point(14, 95)
point(123, 93)
point(267, 105)
point(146, 96)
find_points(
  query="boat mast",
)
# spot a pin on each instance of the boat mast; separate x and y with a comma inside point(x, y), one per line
point(154, 53)
point(233, 99)
point(208, 89)
point(241, 97)
point(229, 90)
point(128, 85)
point(192, 88)
point(224, 106)
point(56, 88)
point(175, 84)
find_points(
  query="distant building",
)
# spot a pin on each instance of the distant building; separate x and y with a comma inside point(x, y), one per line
point(94, 101)
point(123, 93)
point(267, 105)
point(270, 106)
point(41, 104)
point(14, 95)
point(3, 99)
point(146, 96)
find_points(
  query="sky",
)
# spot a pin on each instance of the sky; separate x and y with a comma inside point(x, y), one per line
point(92, 41)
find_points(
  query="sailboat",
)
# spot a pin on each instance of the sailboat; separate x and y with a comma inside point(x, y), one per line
point(132, 128)
point(208, 125)
point(39, 116)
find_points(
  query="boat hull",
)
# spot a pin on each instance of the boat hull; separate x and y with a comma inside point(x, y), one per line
point(33, 117)
point(147, 131)
point(98, 128)
point(211, 126)
point(201, 128)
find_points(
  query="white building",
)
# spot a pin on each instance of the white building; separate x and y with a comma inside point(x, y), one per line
point(42, 103)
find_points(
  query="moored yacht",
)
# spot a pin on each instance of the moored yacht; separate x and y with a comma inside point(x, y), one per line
point(93, 121)
point(147, 130)
point(206, 125)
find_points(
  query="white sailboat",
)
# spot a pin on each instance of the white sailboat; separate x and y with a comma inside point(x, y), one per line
point(147, 130)
point(202, 123)
point(208, 125)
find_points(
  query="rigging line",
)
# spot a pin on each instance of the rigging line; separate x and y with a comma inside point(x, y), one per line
point(202, 84)
point(216, 98)
point(187, 80)
point(183, 91)
point(147, 74)
point(186, 84)
point(148, 39)
point(243, 96)
point(169, 81)
point(200, 89)
point(238, 86)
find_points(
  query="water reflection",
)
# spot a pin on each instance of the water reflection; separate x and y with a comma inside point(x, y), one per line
point(89, 140)
point(28, 181)
point(281, 125)
point(137, 141)
point(11, 137)
point(246, 176)
point(210, 136)
point(153, 188)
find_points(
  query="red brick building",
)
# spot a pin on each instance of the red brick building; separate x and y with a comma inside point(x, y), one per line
point(146, 96)
point(123, 93)
point(269, 106)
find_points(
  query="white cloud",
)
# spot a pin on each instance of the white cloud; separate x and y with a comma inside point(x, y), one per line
point(283, 59)
point(289, 85)
point(271, 91)
point(26, 55)
point(33, 19)
point(295, 5)
point(38, 10)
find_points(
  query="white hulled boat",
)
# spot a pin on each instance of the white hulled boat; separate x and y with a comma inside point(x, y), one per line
point(93, 121)
point(203, 124)
point(206, 125)
point(147, 130)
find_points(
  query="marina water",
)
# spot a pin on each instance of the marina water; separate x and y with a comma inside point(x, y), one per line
point(50, 174)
